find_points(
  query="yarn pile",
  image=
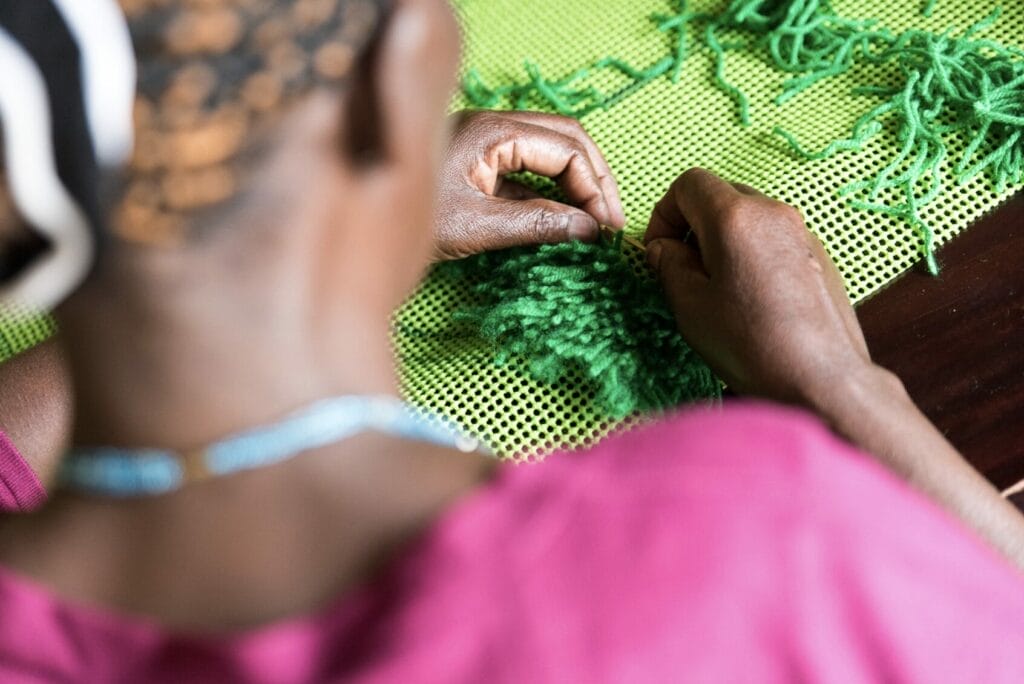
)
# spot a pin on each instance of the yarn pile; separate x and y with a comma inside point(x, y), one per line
point(953, 86)
point(582, 308)
point(950, 86)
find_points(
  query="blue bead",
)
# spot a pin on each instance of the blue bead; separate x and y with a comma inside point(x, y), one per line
point(125, 472)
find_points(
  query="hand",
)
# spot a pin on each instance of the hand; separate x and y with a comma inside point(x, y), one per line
point(757, 296)
point(480, 210)
point(762, 302)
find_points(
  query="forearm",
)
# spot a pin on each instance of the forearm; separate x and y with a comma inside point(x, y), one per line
point(874, 411)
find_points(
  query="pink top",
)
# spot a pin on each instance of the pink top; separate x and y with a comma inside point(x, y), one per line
point(738, 545)
point(20, 489)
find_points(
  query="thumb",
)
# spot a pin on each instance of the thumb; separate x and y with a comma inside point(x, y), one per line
point(681, 273)
point(513, 223)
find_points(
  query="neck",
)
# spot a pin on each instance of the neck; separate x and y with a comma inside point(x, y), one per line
point(171, 362)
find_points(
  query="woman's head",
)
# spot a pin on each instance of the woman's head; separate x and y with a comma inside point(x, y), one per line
point(284, 123)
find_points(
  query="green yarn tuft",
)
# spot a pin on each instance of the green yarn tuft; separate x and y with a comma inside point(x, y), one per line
point(578, 307)
point(951, 86)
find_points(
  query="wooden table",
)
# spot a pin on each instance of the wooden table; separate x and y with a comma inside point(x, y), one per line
point(957, 341)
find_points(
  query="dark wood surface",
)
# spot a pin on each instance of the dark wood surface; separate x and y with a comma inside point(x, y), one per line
point(957, 341)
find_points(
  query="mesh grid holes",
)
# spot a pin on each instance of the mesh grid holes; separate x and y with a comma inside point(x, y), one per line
point(20, 331)
point(500, 405)
point(649, 139)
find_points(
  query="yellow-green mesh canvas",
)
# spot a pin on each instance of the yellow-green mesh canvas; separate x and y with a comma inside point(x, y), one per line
point(651, 137)
point(20, 331)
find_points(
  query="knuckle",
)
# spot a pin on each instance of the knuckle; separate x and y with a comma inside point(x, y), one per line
point(468, 118)
point(687, 182)
point(447, 252)
point(487, 122)
point(790, 215)
point(674, 191)
point(736, 214)
point(575, 147)
point(476, 114)
point(574, 124)
point(689, 176)
point(488, 117)
point(566, 122)
point(662, 212)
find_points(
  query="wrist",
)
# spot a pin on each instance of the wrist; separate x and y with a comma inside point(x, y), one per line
point(866, 388)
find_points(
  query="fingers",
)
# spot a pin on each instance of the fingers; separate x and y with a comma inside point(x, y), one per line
point(748, 190)
point(514, 146)
point(549, 153)
point(484, 210)
point(695, 201)
point(704, 200)
point(574, 129)
point(508, 223)
point(682, 276)
point(538, 221)
point(759, 293)
point(667, 221)
point(701, 204)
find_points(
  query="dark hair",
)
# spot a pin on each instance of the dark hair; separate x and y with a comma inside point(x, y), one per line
point(211, 75)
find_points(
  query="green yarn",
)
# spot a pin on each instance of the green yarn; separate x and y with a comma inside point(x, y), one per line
point(574, 94)
point(742, 102)
point(801, 37)
point(582, 307)
point(952, 86)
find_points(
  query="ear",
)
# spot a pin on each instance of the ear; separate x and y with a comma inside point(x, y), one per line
point(361, 135)
point(397, 99)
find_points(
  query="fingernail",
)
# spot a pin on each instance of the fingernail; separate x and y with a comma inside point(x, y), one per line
point(654, 250)
point(582, 227)
point(608, 214)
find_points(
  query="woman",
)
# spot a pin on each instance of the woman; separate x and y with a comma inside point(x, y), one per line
point(737, 544)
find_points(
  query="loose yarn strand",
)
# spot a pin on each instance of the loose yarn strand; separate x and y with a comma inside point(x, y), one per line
point(571, 95)
point(974, 84)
